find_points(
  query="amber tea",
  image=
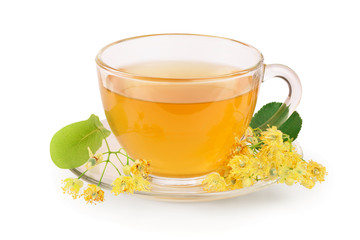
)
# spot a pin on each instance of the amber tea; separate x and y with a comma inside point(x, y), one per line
point(185, 129)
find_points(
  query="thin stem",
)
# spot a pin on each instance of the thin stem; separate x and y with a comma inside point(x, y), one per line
point(291, 146)
point(126, 155)
point(256, 146)
point(115, 168)
point(111, 152)
point(107, 144)
point(83, 173)
point(119, 159)
point(102, 175)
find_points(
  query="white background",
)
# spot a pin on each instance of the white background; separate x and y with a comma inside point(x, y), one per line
point(48, 80)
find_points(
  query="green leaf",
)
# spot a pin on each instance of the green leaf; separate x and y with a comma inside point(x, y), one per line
point(290, 126)
point(68, 147)
point(267, 112)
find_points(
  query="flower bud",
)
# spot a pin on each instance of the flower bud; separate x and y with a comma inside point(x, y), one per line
point(242, 163)
point(308, 184)
point(289, 181)
point(273, 172)
point(126, 169)
point(92, 161)
point(316, 171)
point(247, 182)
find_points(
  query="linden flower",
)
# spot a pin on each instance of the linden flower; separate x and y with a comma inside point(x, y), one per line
point(249, 136)
point(246, 170)
point(214, 183)
point(261, 171)
point(232, 182)
point(241, 147)
point(247, 182)
point(237, 182)
point(141, 184)
point(224, 169)
point(308, 183)
point(290, 176)
point(72, 186)
point(316, 170)
point(141, 167)
point(271, 154)
point(246, 150)
point(242, 166)
point(93, 159)
point(272, 136)
point(264, 155)
point(93, 194)
point(294, 160)
point(123, 184)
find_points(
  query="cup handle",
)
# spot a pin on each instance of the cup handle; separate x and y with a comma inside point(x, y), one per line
point(293, 99)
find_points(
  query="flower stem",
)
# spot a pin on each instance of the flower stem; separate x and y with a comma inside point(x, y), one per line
point(115, 168)
point(83, 173)
point(256, 146)
point(102, 175)
point(110, 152)
point(127, 156)
point(107, 144)
point(119, 159)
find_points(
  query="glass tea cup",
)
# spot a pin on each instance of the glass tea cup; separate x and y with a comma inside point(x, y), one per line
point(181, 100)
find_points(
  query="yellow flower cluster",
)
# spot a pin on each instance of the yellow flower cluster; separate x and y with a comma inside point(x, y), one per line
point(136, 181)
point(92, 194)
point(141, 167)
point(264, 156)
point(72, 187)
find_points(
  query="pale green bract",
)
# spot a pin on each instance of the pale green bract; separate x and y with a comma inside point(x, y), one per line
point(69, 146)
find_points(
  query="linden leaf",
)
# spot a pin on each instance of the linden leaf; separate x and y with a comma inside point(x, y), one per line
point(266, 113)
point(69, 146)
point(290, 126)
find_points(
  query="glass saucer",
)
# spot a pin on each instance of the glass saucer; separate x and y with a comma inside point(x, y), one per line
point(162, 188)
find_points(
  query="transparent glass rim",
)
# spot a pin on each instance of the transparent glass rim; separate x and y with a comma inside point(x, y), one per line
point(121, 73)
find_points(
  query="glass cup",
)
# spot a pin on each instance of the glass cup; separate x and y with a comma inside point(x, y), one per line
point(181, 100)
